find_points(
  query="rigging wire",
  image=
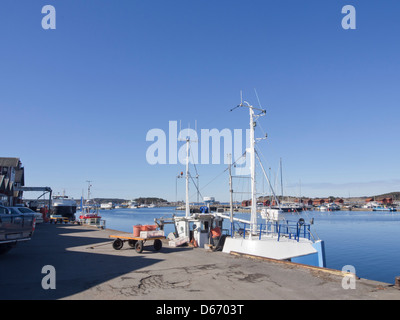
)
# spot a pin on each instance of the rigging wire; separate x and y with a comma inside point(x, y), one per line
point(219, 175)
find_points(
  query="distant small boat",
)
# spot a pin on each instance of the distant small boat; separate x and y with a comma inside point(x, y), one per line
point(382, 208)
point(290, 207)
point(106, 206)
point(323, 208)
point(333, 207)
point(133, 205)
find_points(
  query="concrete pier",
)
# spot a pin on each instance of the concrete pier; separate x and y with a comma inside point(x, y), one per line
point(87, 267)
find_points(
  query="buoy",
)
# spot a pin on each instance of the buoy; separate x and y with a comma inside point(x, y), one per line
point(136, 230)
point(148, 227)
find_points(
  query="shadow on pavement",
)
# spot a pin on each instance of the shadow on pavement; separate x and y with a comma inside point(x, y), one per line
point(76, 269)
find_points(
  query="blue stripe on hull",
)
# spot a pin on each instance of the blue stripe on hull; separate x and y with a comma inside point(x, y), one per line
point(315, 259)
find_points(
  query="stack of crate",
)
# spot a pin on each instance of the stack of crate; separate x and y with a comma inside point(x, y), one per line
point(178, 241)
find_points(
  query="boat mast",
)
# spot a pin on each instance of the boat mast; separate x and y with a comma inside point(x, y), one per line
point(230, 189)
point(280, 166)
point(82, 202)
point(253, 215)
point(252, 154)
point(187, 214)
point(88, 189)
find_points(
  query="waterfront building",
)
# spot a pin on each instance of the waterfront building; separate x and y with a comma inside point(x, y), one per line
point(318, 202)
point(11, 177)
point(383, 200)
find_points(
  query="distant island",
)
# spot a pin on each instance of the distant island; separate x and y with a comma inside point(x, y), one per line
point(155, 200)
point(395, 196)
point(150, 200)
point(141, 200)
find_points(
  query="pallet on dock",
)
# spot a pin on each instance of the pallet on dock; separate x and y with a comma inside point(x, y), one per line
point(58, 219)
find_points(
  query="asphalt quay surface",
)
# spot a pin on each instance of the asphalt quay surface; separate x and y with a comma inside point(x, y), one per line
point(81, 264)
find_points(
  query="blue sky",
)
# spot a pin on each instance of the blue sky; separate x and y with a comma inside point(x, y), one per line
point(78, 101)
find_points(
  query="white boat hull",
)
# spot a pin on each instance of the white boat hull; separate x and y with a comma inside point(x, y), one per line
point(304, 251)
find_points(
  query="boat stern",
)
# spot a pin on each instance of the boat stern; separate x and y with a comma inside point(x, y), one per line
point(316, 259)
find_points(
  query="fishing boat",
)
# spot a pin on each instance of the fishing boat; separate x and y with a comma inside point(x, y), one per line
point(276, 237)
point(64, 207)
point(89, 214)
point(193, 227)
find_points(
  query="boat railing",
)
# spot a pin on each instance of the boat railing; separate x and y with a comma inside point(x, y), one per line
point(279, 229)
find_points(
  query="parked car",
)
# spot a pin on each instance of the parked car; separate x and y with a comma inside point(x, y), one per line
point(25, 210)
point(14, 227)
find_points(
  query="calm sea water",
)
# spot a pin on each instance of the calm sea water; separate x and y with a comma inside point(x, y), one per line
point(369, 241)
